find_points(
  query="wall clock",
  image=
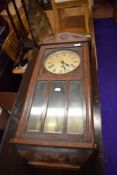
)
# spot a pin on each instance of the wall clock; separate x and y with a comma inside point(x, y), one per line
point(56, 127)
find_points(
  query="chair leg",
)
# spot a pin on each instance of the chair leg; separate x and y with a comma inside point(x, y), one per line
point(87, 20)
point(56, 17)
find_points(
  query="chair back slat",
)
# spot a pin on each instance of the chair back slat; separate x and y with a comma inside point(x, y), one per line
point(11, 46)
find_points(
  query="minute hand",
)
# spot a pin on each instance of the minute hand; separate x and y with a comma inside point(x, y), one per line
point(64, 63)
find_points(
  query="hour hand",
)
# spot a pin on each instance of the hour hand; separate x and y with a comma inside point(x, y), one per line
point(64, 68)
point(64, 63)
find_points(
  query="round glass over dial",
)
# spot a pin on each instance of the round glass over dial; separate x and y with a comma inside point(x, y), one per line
point(62, 61)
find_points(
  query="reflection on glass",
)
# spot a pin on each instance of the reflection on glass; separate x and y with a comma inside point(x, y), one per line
point(38, 107)
point(75, 109)
point(56, 108)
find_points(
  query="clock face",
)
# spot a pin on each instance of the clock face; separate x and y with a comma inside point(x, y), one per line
point(62, 61)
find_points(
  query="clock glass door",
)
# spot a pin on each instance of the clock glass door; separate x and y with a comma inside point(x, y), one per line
point(57, 107)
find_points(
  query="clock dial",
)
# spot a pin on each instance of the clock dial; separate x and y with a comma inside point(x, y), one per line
point(62, 62)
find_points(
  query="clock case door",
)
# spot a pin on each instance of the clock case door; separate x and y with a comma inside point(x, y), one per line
point(64, 95)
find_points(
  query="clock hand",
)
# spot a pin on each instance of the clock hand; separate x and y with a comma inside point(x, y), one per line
point(64, 68)
point(64, 63)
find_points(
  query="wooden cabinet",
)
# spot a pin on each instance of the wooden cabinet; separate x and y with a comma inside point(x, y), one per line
point(56, 127)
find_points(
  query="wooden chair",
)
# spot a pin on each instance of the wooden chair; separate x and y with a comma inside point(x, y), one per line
point(67, 13)
point(11, 46)
point(20, 28)
point(18, 41)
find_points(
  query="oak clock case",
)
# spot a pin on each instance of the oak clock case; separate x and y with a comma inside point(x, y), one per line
point(56, 125)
